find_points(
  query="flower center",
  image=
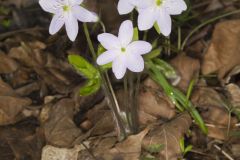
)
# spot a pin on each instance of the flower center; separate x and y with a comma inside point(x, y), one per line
point(159, 2)
point(123, 49)
point(66, 8)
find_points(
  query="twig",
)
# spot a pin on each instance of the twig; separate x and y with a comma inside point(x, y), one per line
point(223, 152)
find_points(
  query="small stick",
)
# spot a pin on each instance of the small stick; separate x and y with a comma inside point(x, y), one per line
point(223, 152)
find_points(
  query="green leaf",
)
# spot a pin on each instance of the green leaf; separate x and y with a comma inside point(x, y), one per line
point(83, 66)
point(135, 34)
point(165, 68)
point(92, 86)
point(157, 28)
point(182, 145)
point(153, 54)
point(188, 148)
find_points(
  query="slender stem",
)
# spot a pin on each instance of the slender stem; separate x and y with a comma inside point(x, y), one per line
point(179, 38)
point(206, 23)
point(107, 88)
point(126, 99)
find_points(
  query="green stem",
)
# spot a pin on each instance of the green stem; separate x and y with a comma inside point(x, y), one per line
point(206, 23)
point(107, 87)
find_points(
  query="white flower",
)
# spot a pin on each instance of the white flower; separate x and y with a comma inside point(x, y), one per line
point(67, 12)
point(122, 52)
point(159, 11)
point(127, 6)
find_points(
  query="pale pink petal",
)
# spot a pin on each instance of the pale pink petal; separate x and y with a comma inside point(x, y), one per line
point(164, 22)
point(109, 41)
point(175, 7)
point(146, 18)
point(125, 7)
point(119, 66)
point(139, 47)
point(84, 15)
point(107, 57)
point(125, 34)
point(51, 6)
point(71, 25)
point(56, 24)
point(135, 62)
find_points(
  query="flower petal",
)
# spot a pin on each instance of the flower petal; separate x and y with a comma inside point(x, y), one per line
point(125, 34)
point(71, 25)
point(51, 6)
point(146, 18)
point(125, 7)
point(75, 2)
point(83, 14)
point(56, 24)
point(164, 22)
point(139, 47)
point(135, 62)
point(109, 41)
point(119, 66)
point(175, 7)
point(107, 57)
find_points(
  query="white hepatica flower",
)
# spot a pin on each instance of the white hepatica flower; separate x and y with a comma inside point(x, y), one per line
point(159, 11)
point(122, 51)
point(67, 12)
point(127, 6)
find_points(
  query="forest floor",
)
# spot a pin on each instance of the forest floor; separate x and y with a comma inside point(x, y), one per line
point(43, 116)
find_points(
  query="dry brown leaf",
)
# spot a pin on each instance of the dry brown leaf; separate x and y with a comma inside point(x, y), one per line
point(168, 135)
point(58, 125)
point(11, 109)
point(155, 103)
point(21, 142)
point(54, 153)
point(7, 64)
point(214, 112)
point(187, 67)
point(129, 149)
point(223, 52)
point(234, 95)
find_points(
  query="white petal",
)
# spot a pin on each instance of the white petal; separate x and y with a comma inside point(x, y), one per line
point(125, 34)
point(125, 7)
point(135, 62)
point(56, 24)
point(51, 6)
point(109, 41)
point(107, 57)
point(139, 47)
point(84, 15)
point(119, 66)
point(164, 22)
point(75, 2)
point(71, 24)
point(175, 7)
point(146, 19)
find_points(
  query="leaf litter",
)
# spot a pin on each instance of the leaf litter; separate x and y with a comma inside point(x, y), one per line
point(42, 115)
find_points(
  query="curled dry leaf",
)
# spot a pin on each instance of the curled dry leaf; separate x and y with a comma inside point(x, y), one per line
point(168, 135)
point(223, 52)
point(187, 67)
point(58, 125)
